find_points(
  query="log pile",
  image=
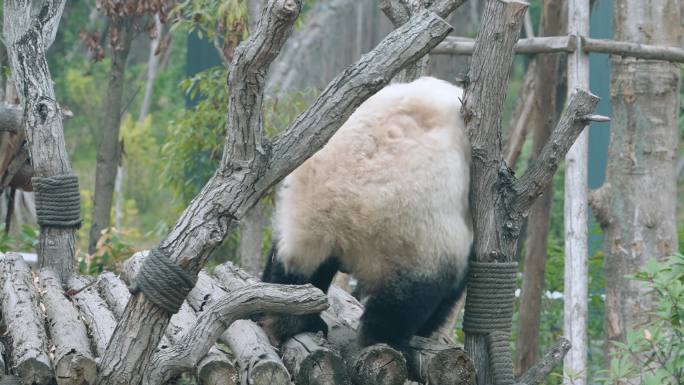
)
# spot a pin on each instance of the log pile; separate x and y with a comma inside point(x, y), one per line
point(56, 335)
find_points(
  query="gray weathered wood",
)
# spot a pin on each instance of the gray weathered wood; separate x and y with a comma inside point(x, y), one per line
point(216, 363)
point(575, 210)
point(434, 363)
point(72, 357)
point(634, 49)
point(553, 357)
point(483, 101)
point(247, 341)
point(216, 368)
point(248, 168)
point(456, 45)
point(195, 344)
point(94, 311)
point(114, 291)
point(379, 364)
point(27, 35)
point(24, 321)
point(311, 361)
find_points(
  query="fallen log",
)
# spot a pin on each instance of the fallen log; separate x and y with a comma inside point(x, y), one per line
point(94, 311)
point(72, 357)
point(309, 357)
point(116, 294)
point(248, 341)
point(229, 310)
point(24, 323)
point(379, 364)
point(217, 368)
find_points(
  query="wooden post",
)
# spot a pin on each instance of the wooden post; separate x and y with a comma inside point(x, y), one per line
point(575, 212)
point(27, 35)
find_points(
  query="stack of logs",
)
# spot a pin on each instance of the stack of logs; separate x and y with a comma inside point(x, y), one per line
point(58, 335)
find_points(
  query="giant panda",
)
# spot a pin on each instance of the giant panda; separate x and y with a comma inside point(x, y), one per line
point(386, 199)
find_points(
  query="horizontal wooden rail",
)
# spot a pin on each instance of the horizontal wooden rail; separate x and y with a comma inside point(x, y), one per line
point(553, 44)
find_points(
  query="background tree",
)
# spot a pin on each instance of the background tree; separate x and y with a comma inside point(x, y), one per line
point(637, 205)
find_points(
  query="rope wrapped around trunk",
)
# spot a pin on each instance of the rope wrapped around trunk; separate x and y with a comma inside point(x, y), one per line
point(58, 201)
point(163, 282)
point(488, 311)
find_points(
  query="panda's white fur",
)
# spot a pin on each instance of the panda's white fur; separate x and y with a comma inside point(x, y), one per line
point(388, 192)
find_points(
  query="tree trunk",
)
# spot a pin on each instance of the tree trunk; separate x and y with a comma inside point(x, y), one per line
point(575, 214)
point(543, 121)
point(108, 149)
point(637, 204)
point(27, 39)
point(251, 229)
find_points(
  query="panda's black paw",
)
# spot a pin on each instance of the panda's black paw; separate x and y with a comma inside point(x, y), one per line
point(281, 327)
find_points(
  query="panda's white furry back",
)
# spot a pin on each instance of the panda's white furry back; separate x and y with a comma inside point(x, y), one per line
point(390, 188)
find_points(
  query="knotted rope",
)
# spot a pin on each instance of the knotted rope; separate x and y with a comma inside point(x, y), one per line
point(488, 311)
point(163, 282)
point(58, 201)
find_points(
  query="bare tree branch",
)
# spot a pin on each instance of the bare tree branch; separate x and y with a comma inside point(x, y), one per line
point(571, 123)
point(239, 304)
point(26, 39)
point(538, 373)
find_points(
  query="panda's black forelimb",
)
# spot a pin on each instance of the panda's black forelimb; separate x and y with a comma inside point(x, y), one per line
point(409, 305)
point(285, 326)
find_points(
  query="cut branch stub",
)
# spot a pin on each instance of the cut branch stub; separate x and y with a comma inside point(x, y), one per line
point(570, 125)
point(538, 373)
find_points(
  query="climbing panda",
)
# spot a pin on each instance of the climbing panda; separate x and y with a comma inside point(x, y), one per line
point(386, 200)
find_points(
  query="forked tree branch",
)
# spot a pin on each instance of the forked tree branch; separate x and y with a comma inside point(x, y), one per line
point(245, 173)
point(539, 372)
point(570, 125)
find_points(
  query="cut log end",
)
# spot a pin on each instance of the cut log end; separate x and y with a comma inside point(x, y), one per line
point(380, 365)
point(75, 369)
point(214, 370)
point(268, 372)
point(34, 371)
point(322, 367)
point(451, 366)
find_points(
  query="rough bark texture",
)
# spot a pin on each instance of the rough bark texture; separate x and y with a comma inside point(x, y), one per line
point(546, 79)
point(538, 373)
point(94, 312)
point(499, 201)
point(27, 38)
point(311, 361)
point(250, 165)
point(436, 363)
point(24, 321)
point(196, 343)
point(637, 204)
point(247, 340)
point(73, 360)
point(216, 369)
point(108, 148)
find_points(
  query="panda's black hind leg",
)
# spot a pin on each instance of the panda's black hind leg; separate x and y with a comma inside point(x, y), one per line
point(400, 309)
point(280, 327)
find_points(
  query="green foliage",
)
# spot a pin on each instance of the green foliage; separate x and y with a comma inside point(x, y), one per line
point(110, 252)
point(196, 135)
point(654, 353)
point(212, 17)
point(25, 240)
